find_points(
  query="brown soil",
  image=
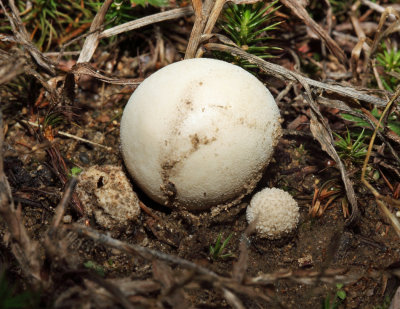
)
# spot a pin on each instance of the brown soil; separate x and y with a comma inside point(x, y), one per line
point(362, 255)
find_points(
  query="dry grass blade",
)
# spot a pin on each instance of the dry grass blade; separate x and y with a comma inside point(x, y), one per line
point(24, 249)
point(11, 65)
point(114, 290)
point(83, 140)
point(61, 170)
point(355, 56)
point(91, 42)
point(287, 75)
point(55, 240)
point(174, 296)
point(378, 8)
point(240, 267)
point(145, 253)
point(212, 19)
point(232, 299)
point(302, 13)
point(148, 20)
point(86, 69)
point(60, 210)
point(370, 120)
point(380, 199)
point(22, 36)
point(244, 1)
point(306, 277)
point(321, 131)
point(379, 34)
point(201, 11)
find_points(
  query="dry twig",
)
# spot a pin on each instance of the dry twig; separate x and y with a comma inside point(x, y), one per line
point(145, 21)
point(381, 200)
point(23, 247)
point(92, 40)
point(302, 13)
point(287, 75)
point(22, 36)
point(201, 11)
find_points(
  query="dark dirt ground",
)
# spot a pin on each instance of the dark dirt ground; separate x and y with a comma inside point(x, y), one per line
point(363, 254)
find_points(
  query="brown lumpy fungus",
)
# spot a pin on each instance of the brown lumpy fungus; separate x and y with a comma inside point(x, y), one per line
point(107, 196)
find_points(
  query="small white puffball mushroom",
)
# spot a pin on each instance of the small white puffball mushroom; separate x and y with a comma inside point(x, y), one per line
point(107, 195)
point(199, 133)
point(276, 212)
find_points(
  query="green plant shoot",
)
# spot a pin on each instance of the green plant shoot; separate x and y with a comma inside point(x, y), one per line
point(347, 149)
point(247, 25)
point(216, 252)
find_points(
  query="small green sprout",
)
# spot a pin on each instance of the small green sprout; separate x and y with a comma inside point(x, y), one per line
point(386, 303)
point(75, 171)
point(340, 8)
point(340, 293)
point(390, 61)
point(340, 296)
point(392, 121)
point(216, 252)
point(347, 149)
point(248, 26)
point(98, 269)
point(52, 119)
point(123, 11)
point(9, 298)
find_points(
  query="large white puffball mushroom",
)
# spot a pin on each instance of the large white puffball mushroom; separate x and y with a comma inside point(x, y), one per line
point(276, 212)
point(199, 133)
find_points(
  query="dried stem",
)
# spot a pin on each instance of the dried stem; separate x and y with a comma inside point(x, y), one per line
point(201, 15)
point(92, 40)
point(139, 250)
point(287, 75)
point(24, 248)
point(145, 21)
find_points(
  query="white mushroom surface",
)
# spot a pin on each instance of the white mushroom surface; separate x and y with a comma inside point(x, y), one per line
point(276, 212)
point(199, 133)
point(107, 195)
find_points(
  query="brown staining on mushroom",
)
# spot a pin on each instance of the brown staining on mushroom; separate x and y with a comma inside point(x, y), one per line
point(167, 187)
point(197, 141)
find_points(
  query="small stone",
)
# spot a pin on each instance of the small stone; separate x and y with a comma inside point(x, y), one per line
point(83, 156)
point(107, 195)
point(67, 219)
point(305, 261)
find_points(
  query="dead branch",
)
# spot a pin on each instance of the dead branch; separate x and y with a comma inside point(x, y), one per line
point(11, 65)
point(381, 200)
point(62, 205)
point(321, 131)
point(302, 13)
point(306, 277)
point(145, 21)
point(145, 253)
point(378, 8)
point(22, 37)
point(228, 286)
point(23, 247)
point(287, 75)
point(92, 40)
point(201, 11)
point(379, 34)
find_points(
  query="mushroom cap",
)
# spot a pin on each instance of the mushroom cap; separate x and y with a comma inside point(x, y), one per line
point(199, 133)
point(276, 212)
